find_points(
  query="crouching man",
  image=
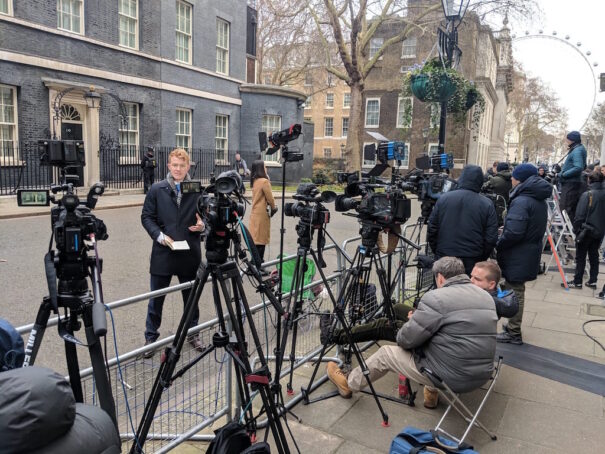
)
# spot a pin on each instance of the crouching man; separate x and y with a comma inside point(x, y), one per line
point(452, 333)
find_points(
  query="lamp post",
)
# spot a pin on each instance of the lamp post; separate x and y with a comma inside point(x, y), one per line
point(454, 11)
point(342, 150)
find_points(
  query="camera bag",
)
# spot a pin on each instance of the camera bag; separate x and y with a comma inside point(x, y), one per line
point(417, 441)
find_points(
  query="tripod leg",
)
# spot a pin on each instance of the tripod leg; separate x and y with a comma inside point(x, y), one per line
point(98, 367)
point(360, 360)
point(37, 333)
point(72, 367)
point(298, 295)
point(167, 367)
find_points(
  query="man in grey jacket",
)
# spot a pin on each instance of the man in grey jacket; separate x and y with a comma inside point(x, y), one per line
point(452, 333)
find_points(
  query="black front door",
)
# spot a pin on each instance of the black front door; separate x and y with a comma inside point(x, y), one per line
point(73, 131)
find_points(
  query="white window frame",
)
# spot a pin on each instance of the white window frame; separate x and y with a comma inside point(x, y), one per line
point(326, 127)
point(71, 2)
point(366, 113)
point(329, 104)
point(132, 154)
point(182, 135)
point(221, 49)
point(308, 79)
point(398, 123)
point(406, 164)
point(428, 148)
point(373, 49)
point(129, 18)
point(15, 124)
point(271, 160)
point(9, 8)
point(225, 149)
point(187, 35)
point(329, 150)
point(342, 125)
point(308, 102)
point(406, 45)
point(345, 95)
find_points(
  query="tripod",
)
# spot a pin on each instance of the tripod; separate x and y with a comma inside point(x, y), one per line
point(223, 272)
point(76, 298)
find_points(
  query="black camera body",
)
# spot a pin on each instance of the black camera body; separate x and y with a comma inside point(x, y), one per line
point(220, 206)
point(306, 195)
point(385, 208)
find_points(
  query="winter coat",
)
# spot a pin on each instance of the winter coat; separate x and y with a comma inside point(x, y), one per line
point(260, 221)
point(500, 184)
point(520, 245)
point(463, 222)
point(574, 164)
point(162, 215)
point(593, 215)
point(453, 333)
point(148, 164)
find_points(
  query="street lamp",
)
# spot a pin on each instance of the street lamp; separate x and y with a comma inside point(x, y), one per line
point(88, 95)
point(454, 11)
point(92, 98)
point(342, 150)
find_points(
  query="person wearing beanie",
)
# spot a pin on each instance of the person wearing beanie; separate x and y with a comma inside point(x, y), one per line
point(519, 248)
point(542, 171)
point(572, 183)
point(500, 183)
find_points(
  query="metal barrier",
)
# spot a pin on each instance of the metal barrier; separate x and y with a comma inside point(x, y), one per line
point(205, 394)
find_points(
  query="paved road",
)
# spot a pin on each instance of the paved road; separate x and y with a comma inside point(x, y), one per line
point(24, 241)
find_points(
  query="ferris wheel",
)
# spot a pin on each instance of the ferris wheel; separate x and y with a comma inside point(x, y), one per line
point(566, 40)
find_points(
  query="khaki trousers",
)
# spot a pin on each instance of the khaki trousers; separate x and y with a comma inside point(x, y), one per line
point(388, 358)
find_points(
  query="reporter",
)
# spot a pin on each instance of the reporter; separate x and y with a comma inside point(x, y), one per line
point(262, 196)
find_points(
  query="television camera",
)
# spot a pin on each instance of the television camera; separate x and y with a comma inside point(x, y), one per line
point(429, 180)
point(280, 139)
point(380, 204)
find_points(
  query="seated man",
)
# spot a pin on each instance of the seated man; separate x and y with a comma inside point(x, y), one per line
point(452, 333)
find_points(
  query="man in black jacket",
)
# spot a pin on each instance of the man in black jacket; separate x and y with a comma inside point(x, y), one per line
point(520, 245)
point(148, 164)
point(500, 183)
point(590, 216)
point(170, 215)
point(464, 223)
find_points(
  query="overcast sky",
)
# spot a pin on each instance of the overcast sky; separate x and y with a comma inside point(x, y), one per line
point(560, 66)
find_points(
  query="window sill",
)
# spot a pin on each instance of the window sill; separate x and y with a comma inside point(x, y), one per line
point(272, 164)
point(221, 162)
point(11, 163)
point(128, 47)
point(371, 127)
point(70, 31)
point(407, 57)
point(346, 107)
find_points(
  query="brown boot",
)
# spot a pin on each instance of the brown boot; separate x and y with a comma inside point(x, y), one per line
point(431, 398)
point(337, 377)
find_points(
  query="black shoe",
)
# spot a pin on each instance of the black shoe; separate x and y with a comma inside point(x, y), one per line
point(508, 338)
point(592, 285)
point(325, 322)
point(601, 295)
point(149, 354)
point(505, 327)
point(195, 342)
point(572, 284)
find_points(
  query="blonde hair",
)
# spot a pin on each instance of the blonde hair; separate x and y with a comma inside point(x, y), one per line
point(179, 153)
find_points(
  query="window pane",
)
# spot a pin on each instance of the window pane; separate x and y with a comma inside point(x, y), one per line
point(329, 127)
point(345, 126)
point(222, 46)
point(4, 6)
point(403, 120)
point(372, 112)
point(409, 47)
point(329, 99)
point(183, 32)
point(375, 45)
point(346, 100)
point(68, 14)
point(183, 128)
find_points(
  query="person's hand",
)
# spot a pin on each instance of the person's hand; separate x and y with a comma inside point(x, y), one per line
point(273, 211)
point(410, 314)
point(198, 226)
point(167, 240)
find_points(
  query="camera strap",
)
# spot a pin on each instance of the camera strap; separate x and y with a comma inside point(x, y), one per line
point(321, 242)
point(51, 280)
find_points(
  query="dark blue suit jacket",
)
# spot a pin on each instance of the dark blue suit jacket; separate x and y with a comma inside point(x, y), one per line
point(161, 214)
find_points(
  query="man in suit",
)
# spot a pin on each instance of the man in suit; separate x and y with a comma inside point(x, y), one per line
point(169, 215)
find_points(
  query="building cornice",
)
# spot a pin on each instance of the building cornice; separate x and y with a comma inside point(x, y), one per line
point(489, 87)
point(273, 90)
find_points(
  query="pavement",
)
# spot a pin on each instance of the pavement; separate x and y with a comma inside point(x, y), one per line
point(529, 413)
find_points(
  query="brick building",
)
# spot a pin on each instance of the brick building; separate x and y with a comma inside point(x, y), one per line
point(486, 60)
point(184, 71)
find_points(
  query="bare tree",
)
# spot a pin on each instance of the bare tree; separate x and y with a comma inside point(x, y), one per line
point(350, 25)
point(592, 135)
point(534, 114)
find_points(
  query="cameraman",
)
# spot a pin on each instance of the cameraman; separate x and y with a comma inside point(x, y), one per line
point(169, 215)
point(262, 196)
point(452, 333)
point(572, 185)
point(500, 183)
point(464, 223)
point(520, 245)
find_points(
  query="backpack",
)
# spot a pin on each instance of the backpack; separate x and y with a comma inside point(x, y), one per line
point(232, 438)
point(417, 441)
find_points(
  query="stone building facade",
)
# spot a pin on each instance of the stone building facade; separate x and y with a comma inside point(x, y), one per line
point(184, 71)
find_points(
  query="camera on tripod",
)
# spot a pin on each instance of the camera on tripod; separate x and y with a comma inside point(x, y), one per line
point(307, 194)
point(220, 206)
point(280, 139)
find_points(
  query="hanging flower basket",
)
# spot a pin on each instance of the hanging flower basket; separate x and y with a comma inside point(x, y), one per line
point(444, 86)
point(419, 86)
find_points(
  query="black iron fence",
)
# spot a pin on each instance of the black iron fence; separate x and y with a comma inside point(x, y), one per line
point(119, 166)
point(20, 169)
